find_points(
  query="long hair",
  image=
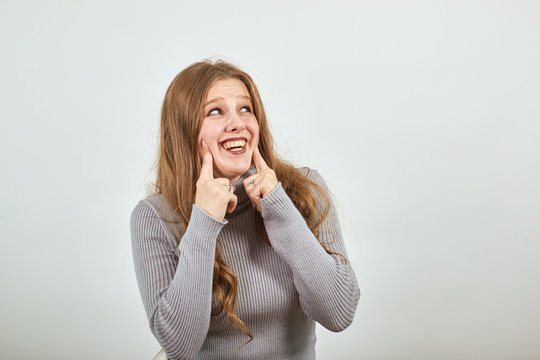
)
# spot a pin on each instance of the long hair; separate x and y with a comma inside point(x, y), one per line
point(178, 166)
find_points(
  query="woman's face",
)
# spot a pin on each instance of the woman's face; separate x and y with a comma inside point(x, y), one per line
point(229, 127)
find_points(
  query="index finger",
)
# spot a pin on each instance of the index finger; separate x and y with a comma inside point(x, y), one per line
point(207, 169)
point(258, 160)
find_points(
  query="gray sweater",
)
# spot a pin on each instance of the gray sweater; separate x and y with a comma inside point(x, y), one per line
point(283, 289)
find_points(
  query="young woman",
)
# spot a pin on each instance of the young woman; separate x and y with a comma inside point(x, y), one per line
point(237, 253)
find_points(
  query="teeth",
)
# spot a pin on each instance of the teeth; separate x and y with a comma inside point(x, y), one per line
point(230, 144)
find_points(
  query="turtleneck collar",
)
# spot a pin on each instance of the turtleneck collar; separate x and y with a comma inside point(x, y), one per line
point(240, 192)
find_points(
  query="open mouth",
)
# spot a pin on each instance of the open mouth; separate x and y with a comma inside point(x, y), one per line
point(235, 145)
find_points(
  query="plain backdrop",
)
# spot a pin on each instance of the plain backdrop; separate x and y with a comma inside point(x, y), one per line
point(422, 116)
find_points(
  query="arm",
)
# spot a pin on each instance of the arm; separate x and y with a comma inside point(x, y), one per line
point(327, 288)
point(176, 291)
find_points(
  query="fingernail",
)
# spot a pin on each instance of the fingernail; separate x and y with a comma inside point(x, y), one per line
point(204, 144)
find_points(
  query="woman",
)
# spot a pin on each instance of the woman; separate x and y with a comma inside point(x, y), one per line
point(237, 253)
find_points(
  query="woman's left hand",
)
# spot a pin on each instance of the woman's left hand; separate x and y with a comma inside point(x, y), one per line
point(262, 183)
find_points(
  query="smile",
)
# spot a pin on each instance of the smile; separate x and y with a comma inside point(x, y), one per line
point(235, 145)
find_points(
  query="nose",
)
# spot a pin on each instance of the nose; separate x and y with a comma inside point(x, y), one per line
point(234, 124)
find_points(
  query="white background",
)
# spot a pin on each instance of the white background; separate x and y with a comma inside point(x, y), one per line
point(423, 116)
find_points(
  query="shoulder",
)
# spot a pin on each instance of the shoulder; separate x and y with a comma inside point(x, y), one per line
point(312, 174)
point(322, 192)
point(157, 206)
point(154, 212)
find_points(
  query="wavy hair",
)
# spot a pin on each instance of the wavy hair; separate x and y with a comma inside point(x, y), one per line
point(178, 167)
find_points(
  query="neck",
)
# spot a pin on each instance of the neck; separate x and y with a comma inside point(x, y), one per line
point(240, 192)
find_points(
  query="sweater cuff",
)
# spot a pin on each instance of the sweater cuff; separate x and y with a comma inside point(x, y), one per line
point(202, 231)
point(278, 205)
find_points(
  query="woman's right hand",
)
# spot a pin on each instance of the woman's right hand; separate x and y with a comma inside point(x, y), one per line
point(212, 195)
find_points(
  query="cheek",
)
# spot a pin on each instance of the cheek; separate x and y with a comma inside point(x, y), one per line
point(253, 128)
point(202, 131)
point(203, 134)
point(208, 133)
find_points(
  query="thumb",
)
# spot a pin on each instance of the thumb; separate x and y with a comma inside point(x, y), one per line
point(232, 204)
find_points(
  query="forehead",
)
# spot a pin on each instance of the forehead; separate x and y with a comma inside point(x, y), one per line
point(226, 88)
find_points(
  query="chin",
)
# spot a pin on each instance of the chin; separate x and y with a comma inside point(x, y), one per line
point(237, 170)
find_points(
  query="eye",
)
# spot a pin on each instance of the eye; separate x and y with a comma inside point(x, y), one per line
point(215, 111)
point(247, 109)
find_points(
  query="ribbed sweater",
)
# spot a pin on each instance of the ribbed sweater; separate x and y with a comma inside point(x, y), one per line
point(283, 289)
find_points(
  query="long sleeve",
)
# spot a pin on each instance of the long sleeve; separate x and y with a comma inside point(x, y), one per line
point(175, 284)
point(327, 288)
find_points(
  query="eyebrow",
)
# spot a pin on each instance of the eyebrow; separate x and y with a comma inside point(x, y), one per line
point(221, 98)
